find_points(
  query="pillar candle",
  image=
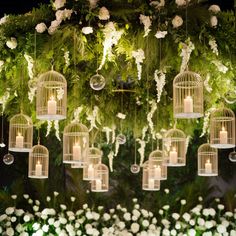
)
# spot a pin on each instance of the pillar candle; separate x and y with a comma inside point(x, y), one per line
point(19, 141)
point(188, 104)
point(223, 136)
point(76, 153)
point(173, 156)
point(52, 106)
point(208, 167)
point(98, 184)
point(157, 172)
point(38, 169)
point(151, 183)
point(90, 172)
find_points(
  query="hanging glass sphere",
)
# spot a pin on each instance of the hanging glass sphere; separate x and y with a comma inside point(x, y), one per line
point(121, 139)
point(8, 159)
point(134, 168)
point(232, 156)
point(97, 82)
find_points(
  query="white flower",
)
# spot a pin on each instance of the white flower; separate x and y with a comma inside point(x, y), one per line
point(48, 199)
point(136, 213)
point(72, 198)
point(201, 221)
point(127, 216)
point(175, 216)
point(214, 8)
point(103, 14)
point(10, 231)
point(36, 226)
point(161, 212)
point(145, 223)
point(19, 212)
point(192, 222)
point(85, 206)
point(136, 206)
point(13, 219)
point(220, 207)
point(9, 210)
point(221, 228)
point(3, 20)
point(59, 3)
point(167, 191)
point(177, 21)
point(55, 193)
point(200, 198)
point(12, 43)
point(165, 232)
point(41, 27)
point(63, 207)
point(139, 57)
point(106, 217)
point(121, 225)
point(165, 222)
point(173, 232)
point(134, 227)
point(51, 221)
point(93, 3)
point(121, 115)
point(35, 208)
point(87, 30)
point(183, 202)
point(213, 45)
point(146, 21)
point(166, 207)
point(160, 34)
point(62, 15)
point(26, 218)
point(45, 228)
point(180, 3)
point(191, 232)
point(209, 224)
point(134, 200)
point(144, 212)
point(213, 21)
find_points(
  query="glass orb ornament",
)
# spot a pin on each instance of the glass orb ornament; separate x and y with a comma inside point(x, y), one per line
point(97, 82)
point(121, 139)
point(134, 168)
point(8, 159)
point(232, 156)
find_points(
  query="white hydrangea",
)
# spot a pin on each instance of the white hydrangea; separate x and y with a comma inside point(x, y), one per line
point(180, 3)
point(134, 227)
point(213, 21)
point(12, 43)
point(214, 8)
point(146, 21)
point(139, 57)
point(160, 34)
point(177, 21)
point(103, 14)
point(87, 30)
point(145, 223)
point(59, 4)
point(41, 27)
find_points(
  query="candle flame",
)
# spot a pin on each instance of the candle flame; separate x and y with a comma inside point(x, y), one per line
point(38, 163)
point(19, 134)
point(188, 97)
point(174, 149)
point(52, 98)
point(208, 161)
point(223, 128)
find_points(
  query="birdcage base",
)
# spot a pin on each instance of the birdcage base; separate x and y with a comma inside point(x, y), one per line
point(99, 191)
point(175, 165)
point(38, 177)
point(151, 189)
point(77, 166)
point(51, 117)
point(207, 174)
point(188, 115)
point(223, 146)
point(19, 149)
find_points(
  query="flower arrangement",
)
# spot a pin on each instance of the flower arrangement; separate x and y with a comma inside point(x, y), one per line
point(38, 220)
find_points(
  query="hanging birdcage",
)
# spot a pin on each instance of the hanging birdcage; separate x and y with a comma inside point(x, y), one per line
point(207, 160)
point(157, 167)
point(75, 144)
point(174, 148)
point(94, 158)
point(149, 183)
point(51, 98)
point(222, 128)
point(20, 133)
point(38, 162)
point(188, 95)
point(100, 183)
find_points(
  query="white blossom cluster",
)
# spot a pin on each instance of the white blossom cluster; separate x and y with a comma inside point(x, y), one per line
point(206, 121)
point(146, 21)
point(149, 118)
point(139, 57)
point(160, 79)
point(118, 221)
point(221, 67)
point(213, 45)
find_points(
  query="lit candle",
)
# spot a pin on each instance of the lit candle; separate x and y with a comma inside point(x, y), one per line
point(188, 104)
point(157, 172)
point(76, 152)
point(98, 184)
point(52, 106)
point(38, 169)
point(223, 136)
point(151, 183)
point(90, 172)
point(19, 141)
point(173, 156)
point(208, 167)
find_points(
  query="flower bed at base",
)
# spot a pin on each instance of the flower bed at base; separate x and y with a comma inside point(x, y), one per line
point(118, 221)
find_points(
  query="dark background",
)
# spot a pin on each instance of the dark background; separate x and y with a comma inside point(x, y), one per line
point(17, 6)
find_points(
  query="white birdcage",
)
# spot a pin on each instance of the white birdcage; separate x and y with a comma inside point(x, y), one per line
point(188, 95)
point(174, 148)
point(20, 133)
point(207, 160)
point(75, 144)
point(51, 98)
point(222, 128)
point(38, 162)
point(100, 183)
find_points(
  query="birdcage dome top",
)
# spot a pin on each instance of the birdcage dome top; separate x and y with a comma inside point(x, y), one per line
point(21, 119)
point(156, 154)
point(100, 167)
point(39, 149)
point(206, 147)
point(75, 127)
point(187, 79)
point(223, 113)
point(174, 133)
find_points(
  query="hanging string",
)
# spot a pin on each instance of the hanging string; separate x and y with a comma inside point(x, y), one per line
point(38, 136)
point(135, 145)
point(2, 141)
point(74, 50)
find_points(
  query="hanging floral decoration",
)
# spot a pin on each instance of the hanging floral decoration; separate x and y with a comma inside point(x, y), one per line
point(139, 57)
point(160, 79)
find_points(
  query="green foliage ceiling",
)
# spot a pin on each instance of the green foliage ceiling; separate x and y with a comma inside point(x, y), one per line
point(84, 53)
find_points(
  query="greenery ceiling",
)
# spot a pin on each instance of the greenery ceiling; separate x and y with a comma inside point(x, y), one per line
point(206, 36)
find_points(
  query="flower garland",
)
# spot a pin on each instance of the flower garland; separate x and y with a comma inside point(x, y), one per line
point(213, 45)
point(4, 99)
point(149, 118)
point(92, 118)
point(30, 62)
point(146, 21)
point(221, 68)
point(110, 158)
point(206, 120)
point(160, 79)
point(139, 57)
point(141, 150)
point(206, 83)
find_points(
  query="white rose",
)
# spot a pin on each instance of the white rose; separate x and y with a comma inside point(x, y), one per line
point(213, 21)
point(26, 218)
point(59, 3)
point(12, 44)
point(186, 217)
point(55, 193)
point(121, 115)
point(134, 227)
point(93, 3)
point(3, 20)
point(41, 27)
point(192, 232)
point(177, 21)
point(183, 202)
point(10, 231)
point(127, 216)
point(9, 210)
point(87, 30)
point(145, 223)
point(214, 8)
point(180, 2)
point(160, 34)
point(221, 229)
point(103, 14)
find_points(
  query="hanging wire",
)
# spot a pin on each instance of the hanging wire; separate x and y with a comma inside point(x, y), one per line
point(38, 136)
point(135, 145)
point(2, 140)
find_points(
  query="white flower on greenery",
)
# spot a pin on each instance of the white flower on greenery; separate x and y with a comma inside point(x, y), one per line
point(41, 27)
point(173, 232)
point(183, 202)
point(192, 232)
point(201, 221)
point(144, 213)
point(26, 218)
point(141, 150)
point(10, 232)
point(145, 223)
point(181, 3)
point(161, 212)
point(165, 232)
point(134, 200)
point(146, 21)
point(136, 213)
point(121, 115)
point(127, 216)
point(12, 43)
point(106, 216)
point(186, 216)
point(213, 21)
point(165, 222)
point(3, 20)
point(160, 34)
point(93, 3)
point(59, 4)
point(63, 207)
point(175, 216)
point(62, 15)
point(103, 14)
point(139, 57)
point(48, 199)
point(229, 214)
point(192, 222)
point(214, 8)
point(35, 208)
point(9, 210)
point(220, 207)
point(222, 68)
point(19, 212)
point(166, 207)
point(221, 229)
point(213, 45)
point(134, 228)
point(13, 219)
point(209, 224)
point(177, 21)
point(87, 30)
point(200, 199)
point(167, 191)
point(55, 193)
point(160, 79)
point(36, 226)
